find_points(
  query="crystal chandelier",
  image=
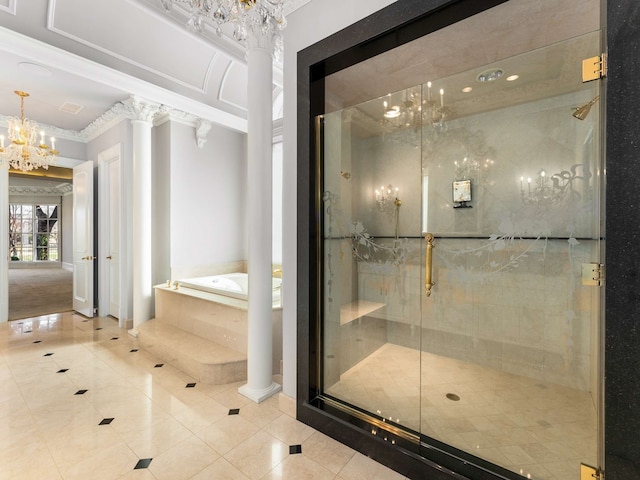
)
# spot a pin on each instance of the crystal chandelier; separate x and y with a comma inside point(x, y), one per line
point(258, 16)
point(24, 152)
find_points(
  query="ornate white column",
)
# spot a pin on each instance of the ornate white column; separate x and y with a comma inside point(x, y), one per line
point(260, 385)
point(4, 242)
point(142, 114)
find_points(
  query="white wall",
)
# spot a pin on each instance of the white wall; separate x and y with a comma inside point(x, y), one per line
point(208, 200)
point(297, 36)
point(120, 133)
point(66, 217)
point(161, 201)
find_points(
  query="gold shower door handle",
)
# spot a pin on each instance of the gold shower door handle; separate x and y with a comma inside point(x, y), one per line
point(428, 270)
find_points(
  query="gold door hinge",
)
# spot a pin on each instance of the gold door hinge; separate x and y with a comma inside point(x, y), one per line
point(594, 68)
point(588, 472)
point(593, 274)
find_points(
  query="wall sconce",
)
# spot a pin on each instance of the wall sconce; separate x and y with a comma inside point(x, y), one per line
point(387, 197)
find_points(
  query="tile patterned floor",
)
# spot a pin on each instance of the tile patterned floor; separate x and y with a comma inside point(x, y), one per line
point(80, 400)
point(542, 431)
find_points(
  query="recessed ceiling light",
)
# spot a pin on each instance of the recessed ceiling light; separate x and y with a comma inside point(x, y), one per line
point(490, 75)
point(34, 69)
point(467, 89)
point(393, 112)
point(511, 78)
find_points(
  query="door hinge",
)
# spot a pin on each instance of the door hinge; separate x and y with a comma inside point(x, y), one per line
point(593, 274)
point(594, 68)
point(587, 472)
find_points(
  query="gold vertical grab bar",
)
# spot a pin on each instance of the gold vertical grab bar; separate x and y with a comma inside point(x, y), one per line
point(428, 270)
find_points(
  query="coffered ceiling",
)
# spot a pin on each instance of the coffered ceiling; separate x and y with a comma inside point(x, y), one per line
point(77, 58)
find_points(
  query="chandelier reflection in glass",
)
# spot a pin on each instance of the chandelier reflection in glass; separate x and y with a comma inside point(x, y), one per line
point(435, 112)
point(543, 190)
point(258, 16)
point(24, 152)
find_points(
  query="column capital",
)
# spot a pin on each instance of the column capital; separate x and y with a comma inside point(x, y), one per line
point(257, 39)
point(140, 110)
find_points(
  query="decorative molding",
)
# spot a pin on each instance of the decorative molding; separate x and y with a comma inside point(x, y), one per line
point(58, 191)
point(293, 5)
point(139, 110)
point(198, 88)
point(104, 122)
point(223, 82)
point(202, 129)
point(8, 6)
point(49, 55)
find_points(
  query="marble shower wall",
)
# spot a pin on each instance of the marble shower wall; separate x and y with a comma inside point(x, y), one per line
point(508, 291)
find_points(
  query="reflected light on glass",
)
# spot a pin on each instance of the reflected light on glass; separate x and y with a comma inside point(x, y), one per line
point(467, 89)
point(511, 78)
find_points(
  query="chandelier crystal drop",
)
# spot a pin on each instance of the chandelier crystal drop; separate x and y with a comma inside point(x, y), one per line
point(264, 17)
point(24, 151)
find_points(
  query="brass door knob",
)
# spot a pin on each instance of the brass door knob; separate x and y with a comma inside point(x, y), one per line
point(109, 257)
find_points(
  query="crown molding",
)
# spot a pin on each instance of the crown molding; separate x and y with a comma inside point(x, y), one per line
point(58, 191)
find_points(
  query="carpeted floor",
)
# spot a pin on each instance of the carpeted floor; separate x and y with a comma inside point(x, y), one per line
point(39, 291)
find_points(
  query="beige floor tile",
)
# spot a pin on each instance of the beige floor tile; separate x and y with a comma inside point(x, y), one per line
point(183, 460)
point(299, 467)
point(156, 439)
point(289, 430)
point(326, 451)
point(258, 455)
point(227, 433)
point(221, 469)
point(361, 467)
point(106, 463)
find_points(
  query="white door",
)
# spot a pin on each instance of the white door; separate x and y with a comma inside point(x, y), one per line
point(113, 256)
point(83, 239)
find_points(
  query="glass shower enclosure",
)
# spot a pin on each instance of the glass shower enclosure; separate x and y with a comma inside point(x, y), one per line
point(461, 243)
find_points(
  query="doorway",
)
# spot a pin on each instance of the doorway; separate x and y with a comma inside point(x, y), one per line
point(39, 279)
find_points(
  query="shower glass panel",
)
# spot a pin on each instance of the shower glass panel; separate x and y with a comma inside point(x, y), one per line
point(510, 350)
point(371, 254)
point(457, 225)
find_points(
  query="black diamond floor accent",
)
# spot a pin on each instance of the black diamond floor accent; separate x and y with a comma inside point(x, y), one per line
point(106, 421)
point(99, 328)
point(47, 354)
point(133, 350)
point(234, 411)
point(85, 321)
point(293, 449)
point(38, 341)
point(114, 338)
point(81, 392)
point(28, 331)
point(62, 370)
point(143, 463)
point(158, 365)
point(190, 385)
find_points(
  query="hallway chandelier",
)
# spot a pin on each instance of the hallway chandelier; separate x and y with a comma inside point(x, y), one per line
point(23, 151)
point(258, 16)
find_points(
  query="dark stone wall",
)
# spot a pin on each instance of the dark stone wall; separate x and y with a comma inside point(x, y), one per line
point(622, 257)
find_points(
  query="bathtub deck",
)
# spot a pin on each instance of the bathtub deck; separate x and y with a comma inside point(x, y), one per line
point(203, 359)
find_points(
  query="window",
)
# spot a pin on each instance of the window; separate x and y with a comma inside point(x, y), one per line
point(33, 232)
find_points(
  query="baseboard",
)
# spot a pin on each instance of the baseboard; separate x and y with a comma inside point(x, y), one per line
point(67, 266)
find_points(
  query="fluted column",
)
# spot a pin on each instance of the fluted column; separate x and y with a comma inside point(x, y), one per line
point(4, 242)
point(259, 384)
point(142, 114)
